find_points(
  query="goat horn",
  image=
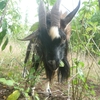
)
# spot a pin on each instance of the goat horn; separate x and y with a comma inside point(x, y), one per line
point(42, 15)
point(69, 17)
point(55, 14)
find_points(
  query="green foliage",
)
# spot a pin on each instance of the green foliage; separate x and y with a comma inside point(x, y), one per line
point(14, 96)
point(3, 4)
point(48, 3)
point(95, 18)
point(51, 2)
point(15, 80)
point(33, 75)
point(85, 29)
point(3, 25)
point(10, 22)
point(4, 31)
point(80, 87)
point(2, 35)
point(34, 27)
point(7, 82)
point(85, 40)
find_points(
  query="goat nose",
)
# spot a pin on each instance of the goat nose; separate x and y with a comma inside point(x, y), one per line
point(52, 62)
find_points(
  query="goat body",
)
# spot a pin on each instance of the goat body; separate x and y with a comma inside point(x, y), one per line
point(51, 40)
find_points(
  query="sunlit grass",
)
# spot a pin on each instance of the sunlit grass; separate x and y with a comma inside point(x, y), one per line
point(11, 62)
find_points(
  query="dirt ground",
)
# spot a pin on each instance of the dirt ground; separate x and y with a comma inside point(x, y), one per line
point(58, 91)
point(56, 88)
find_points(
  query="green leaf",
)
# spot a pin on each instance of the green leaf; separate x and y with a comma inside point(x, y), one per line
point(27, 96)
point(75, 81)
point(10, 82)
point(2, 35)
point(52, 2)
point(86, 86)
point(37, 97)
point(2, 4)
point(81, 64)
point(61, 64)
point(80, 72)
point(27, 90)
point(14, 96)
point(99, 62)
point(5, 44)
point(3, 80)
point(7, 82)
point(34, 26)
point(81, 75)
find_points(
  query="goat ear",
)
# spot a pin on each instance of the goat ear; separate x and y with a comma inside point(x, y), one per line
point(42, 15)
point(31, 36)
point(69, 17)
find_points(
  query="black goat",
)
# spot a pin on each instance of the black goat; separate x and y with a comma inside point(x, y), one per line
point(51, 40)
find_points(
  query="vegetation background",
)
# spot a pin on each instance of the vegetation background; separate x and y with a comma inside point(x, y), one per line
point(84, 54)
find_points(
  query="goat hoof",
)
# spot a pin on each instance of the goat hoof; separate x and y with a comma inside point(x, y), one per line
point(49, 92)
